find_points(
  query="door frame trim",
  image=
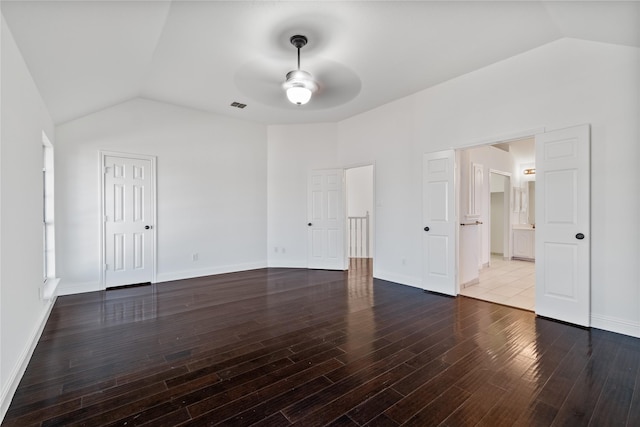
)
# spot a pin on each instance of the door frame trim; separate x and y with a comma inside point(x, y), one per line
point(498, 139)
point(153, 191)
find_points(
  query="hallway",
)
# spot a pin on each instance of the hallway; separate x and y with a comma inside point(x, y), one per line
point(509, 283)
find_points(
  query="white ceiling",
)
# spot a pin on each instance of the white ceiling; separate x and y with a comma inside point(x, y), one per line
point(89, 55)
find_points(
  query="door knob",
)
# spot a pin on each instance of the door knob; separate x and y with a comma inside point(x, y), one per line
point(146, 227)
point(426, 229)
point(579, 236)
point(309, 224)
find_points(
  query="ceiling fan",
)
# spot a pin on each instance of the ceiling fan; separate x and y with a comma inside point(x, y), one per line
point(299, 84)
point(332, 84)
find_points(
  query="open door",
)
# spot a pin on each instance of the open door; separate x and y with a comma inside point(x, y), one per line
point(326, 215)
point(563, 225)
point(439, 222)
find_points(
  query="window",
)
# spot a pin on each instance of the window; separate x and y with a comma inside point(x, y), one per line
point(48, 229)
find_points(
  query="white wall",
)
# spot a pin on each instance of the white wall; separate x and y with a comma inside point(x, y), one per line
point(293, 152)
point(386, 137)
point(359, 190)
point(211, 192)
point(23, 118)
point(562, 84)
point(360, 202)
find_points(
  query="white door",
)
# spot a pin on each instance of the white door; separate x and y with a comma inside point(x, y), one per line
point(563, 225)
point(326, 220)
point(128, 221)
point(439, 222)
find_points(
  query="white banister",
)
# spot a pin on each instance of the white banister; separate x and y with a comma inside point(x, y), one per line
point(359, 236)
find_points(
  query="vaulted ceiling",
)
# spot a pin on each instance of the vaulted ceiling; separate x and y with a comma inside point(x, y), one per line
point(88, 55)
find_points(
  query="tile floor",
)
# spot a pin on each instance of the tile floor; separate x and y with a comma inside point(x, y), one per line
point(510, 283)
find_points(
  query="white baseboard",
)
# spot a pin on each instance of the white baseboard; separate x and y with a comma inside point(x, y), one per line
point(189, 274)
point(415, 282)
point(287, 264)
point(25, 356)
point(616, 325)
point(77, 288)
point(471, 282)
point(49, 290)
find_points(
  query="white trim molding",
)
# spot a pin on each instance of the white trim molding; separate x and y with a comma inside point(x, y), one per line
point(210, 271)
point(613, 324)
point(283, 263)
point(49, 289)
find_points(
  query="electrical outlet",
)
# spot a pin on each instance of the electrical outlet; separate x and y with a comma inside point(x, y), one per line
point(284, 250)
point(194, 257)
point(404, 261)
point(275, 249)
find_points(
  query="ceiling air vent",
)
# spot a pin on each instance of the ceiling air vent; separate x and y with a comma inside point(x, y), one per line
point(238, 105)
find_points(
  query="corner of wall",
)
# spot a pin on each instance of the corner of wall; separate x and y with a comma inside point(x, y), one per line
point(11, 384)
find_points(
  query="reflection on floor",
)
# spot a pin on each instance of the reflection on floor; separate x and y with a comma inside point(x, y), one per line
point(361, 267)
point(360, 283)
point(510, 283)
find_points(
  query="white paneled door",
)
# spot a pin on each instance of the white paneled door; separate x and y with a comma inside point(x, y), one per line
point(563, 225)
point(439, 223)
point(128, 221)
point(326, 218)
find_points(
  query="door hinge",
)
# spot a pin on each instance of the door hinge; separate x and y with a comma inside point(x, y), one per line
point(106, 267)
point(105, 169)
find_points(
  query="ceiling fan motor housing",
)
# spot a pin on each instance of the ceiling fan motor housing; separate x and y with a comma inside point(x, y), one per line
point(298, 41)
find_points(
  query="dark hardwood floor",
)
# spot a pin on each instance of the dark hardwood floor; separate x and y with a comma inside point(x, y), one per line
point(277, 347)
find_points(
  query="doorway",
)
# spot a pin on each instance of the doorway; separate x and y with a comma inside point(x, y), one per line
point(502, 225)
point(359, 224)
point(559, 240)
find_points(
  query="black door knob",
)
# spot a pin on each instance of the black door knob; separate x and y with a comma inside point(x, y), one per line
point(579, 236)
point(146, 227)
point(426, 229)
point(309, 224)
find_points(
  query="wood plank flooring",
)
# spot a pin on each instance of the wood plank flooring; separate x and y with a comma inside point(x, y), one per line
point(280, 347)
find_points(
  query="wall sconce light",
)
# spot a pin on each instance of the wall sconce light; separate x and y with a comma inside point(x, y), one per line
point(530, 171)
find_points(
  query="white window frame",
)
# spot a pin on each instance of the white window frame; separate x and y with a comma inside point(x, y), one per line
point(50, 281)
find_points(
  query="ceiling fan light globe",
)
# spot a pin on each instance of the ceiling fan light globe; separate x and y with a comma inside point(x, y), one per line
point(298, 95)
point(299, 86)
